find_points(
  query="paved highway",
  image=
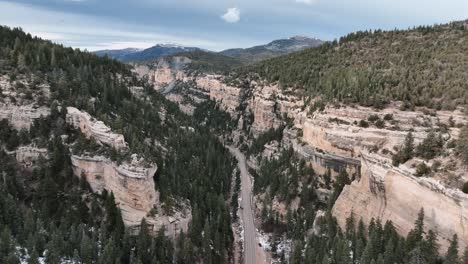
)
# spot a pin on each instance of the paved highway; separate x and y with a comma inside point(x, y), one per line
point(250, 240)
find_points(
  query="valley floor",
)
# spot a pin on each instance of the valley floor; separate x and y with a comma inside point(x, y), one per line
point(253, 253)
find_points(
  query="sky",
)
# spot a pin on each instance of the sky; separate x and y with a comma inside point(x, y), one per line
point(215, 24)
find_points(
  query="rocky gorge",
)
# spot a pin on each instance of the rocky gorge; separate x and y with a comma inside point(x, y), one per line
point(360, 140)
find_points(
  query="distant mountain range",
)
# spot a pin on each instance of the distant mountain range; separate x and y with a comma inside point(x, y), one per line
point(247, 55)
point(154, 52)
point(273, 49)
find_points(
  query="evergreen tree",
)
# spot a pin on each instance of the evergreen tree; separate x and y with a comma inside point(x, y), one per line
point(452, 252)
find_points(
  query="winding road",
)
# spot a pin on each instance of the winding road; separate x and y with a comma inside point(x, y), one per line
point(253, 254)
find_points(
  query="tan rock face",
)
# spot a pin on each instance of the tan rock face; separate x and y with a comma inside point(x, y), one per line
point(393, 194)
point(134, 190)
point(228, 96)
point(384, 191)
point(131, 182)
point(27, 155)
point(132, 185)
point(95, 129)
point(22, 116)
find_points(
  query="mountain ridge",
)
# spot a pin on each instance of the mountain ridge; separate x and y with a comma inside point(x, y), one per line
point(246, 55)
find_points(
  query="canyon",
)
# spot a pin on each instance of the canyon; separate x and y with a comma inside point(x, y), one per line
point(334, 138)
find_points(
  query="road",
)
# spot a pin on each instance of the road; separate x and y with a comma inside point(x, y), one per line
point(253, 254)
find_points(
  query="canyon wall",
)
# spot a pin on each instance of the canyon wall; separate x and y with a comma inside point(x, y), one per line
point(343, 137)
point(394, 194)
point(135, 194)
point(95, 129)
point(131, 182)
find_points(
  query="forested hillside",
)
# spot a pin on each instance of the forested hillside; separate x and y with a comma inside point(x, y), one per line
point(205, 61)
point(424, 66)
point(48, 212)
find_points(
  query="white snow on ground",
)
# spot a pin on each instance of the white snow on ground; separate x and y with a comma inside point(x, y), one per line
point(264, 240)
point(282, 248)
point(24, 257)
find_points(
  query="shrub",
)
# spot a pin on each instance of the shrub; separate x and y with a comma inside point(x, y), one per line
point(462, 144)
point(465, 187)
point(373, 118)
point(380, 123)
point(388, 117)
point(363, 123)
point(422, 169)
point(431, 146)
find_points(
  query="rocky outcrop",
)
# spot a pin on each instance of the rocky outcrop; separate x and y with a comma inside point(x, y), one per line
point(133, 187)
point(131, 182)
point(393, 194)
point(95, 129)
point(27, 155)
point(22, 116)
point(165, 71)
point(213, 85)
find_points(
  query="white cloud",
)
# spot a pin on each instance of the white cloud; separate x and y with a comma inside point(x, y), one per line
point(308, 2)
point(232, 15)
point(93, 33)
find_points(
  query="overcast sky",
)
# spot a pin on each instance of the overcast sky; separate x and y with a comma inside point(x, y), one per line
point(215, 24)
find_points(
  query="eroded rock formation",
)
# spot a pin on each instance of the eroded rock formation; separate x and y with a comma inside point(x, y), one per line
point(131, 182)
point(95, 129)
point(22, 116)
point(394, 194)
point(133, 187)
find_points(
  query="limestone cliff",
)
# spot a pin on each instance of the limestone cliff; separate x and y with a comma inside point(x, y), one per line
point(131, 182)
point(95, 129)
point(134, 190)
point(394, 194)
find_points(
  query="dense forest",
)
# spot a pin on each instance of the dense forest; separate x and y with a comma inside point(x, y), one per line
point(192, 164)
point(424, 66)
point(206, 61)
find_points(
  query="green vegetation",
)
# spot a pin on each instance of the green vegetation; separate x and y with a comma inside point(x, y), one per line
point(287, 177)
point(372, 67)
point(270, 135)
point(406, 152)
point(462, 144)
point(375, 243)
point(431, 146)
point(205, 61)
point(192, 164)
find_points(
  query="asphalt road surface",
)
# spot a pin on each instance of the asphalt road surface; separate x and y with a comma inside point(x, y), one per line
point(250, 244)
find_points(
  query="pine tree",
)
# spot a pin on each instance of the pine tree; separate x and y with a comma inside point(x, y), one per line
point(430, 247)
point(415, 236)
point(34, 258)
point(452, 252)
point(465, 256)
point(342, 255)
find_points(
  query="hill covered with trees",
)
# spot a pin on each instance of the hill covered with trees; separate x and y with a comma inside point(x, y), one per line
point(423, 66)
point(49, 213)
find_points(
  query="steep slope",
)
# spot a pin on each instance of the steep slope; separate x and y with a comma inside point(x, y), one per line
point(424, 66)
point(272, 49)
point(98, 161)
